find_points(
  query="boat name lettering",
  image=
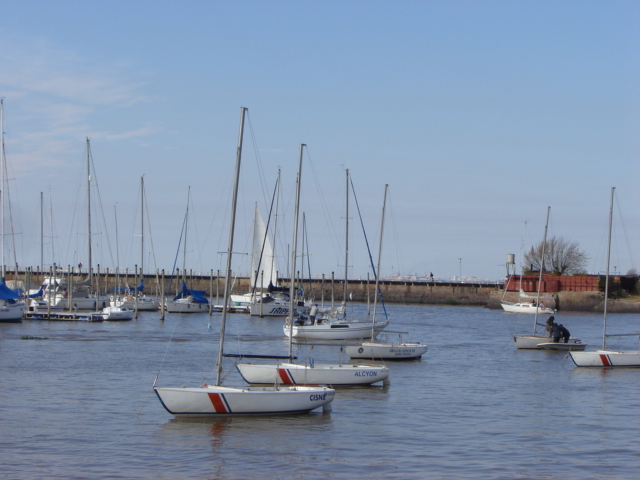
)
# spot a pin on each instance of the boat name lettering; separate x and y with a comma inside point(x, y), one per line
point(279, 311)
point(366, 374)
point(318, 396)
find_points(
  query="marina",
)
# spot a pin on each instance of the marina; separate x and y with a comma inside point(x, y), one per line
point(473, 407)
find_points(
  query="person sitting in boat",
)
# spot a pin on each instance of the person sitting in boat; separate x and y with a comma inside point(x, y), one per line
point(556, 333)
point(549, 326)
point(565, 333)
point(301, 320)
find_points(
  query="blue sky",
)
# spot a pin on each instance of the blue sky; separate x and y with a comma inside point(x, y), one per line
point(478, 115)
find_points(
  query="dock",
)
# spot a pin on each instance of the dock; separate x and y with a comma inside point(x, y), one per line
point(65, 317)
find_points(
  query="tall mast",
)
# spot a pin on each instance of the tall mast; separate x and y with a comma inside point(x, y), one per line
point(606, 281)
point(2, 187)
point(275, 226)
point(346, 247)
point(227, 283)
point(41, 232)
point(89, 211)
point(186, 229)
point(53, 251)
point(141, 227)
point(377, 272)
point(544, 246)
point(292, 287)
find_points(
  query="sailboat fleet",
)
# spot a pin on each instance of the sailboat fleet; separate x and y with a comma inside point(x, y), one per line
point(286, 385)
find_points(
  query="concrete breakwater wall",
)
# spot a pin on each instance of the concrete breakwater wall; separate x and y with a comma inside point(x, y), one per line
point(405, 292)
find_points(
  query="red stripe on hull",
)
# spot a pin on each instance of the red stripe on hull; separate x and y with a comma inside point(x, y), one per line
point(285, 377)
point(218, 404)
point(605, 360)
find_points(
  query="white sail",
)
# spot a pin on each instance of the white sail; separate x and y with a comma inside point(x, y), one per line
point(263, 263)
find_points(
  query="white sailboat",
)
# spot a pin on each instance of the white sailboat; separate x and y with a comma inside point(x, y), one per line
point(325, 327)
point(540, 342)
point(289, 373)
point(136, 300)
point(606, 357)
point(377, 350)
point(220, 400)
point(268, 299)
point(12, 308)
point(80, 295)
point(187, 300)
point(527, 307)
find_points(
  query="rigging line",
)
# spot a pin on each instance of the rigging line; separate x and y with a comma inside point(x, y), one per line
point(153, 251)
point(175, 261)
point(8, 201)
point(134, 229)
point(261, 175)
point(375, 274)
point(194, 229)
point(305, 238)
point(624, 232)
point(264, 241)
point(104, 220)
point(325, 210)
point(80, 181)
point(394, 228)
point(13, 234)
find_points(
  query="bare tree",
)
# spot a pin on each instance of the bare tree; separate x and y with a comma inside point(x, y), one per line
point(561, 257)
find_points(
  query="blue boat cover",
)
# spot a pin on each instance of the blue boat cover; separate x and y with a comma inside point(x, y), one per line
point(6, 293)
point(139, 288)
point(199, 296)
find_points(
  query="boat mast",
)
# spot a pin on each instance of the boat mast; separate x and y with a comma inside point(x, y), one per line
point(141, 228)
point(89, 211)
point(377, 272)
point(292, 287)
point(186, 229)
point(544, 246)
point(2, 187)
point(272, 265)
point(346, 249)
point(606, 281)
point(227, 283)
point(41, 232)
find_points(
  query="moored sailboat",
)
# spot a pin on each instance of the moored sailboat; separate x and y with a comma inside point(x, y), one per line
point(319, 326)
point(135, 299)
point(187, 300)
point(606, 357)
point(12, 308)
point(377, 350)
point(220, 400)
point(539, 342)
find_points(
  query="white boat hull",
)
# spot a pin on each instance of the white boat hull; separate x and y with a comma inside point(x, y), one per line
point(387, 351)
point(42, 306)
point(218, 400)
point(12, 312)
point(606, 358)
point(114, 314)
point(143, 304)
point(334, 331)
point(526, 308)
point(83, 303)
point(176, 306)
point(562, 347)
point(271, 309)
point(325, 374)
point(534, 341)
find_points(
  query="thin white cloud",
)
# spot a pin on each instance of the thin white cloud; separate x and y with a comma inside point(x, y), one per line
point(56, 93)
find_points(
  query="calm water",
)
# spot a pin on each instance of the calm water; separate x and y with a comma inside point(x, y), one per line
point(79, 404)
